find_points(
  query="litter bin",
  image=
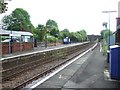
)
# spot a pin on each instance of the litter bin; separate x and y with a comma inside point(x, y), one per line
point(35, 42)
point(115, 62)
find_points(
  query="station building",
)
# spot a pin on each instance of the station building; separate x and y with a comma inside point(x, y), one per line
point(15, 41)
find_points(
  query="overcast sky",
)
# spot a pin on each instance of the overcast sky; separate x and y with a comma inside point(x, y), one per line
point(71, 14)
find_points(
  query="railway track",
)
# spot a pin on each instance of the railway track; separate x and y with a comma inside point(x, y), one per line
point(41, 67)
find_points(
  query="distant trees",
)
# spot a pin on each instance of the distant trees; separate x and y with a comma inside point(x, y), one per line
point(74, 36)
point(83, 35)
point(50, 31)
point(64, 33)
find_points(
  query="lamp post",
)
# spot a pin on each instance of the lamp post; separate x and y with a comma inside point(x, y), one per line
point(21, 29)
point(45, 40)
point(56, 35)
point(11, 39)
point(109, 12)
point(10, 43)
point(47, 28)
point(45, 37)
point(31, 40)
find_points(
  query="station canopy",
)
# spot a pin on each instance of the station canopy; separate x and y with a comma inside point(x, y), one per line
point(14, 33)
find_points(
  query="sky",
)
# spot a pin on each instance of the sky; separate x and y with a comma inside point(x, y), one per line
point(74, 15)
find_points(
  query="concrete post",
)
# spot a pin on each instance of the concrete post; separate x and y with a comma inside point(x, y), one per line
point(119, 9)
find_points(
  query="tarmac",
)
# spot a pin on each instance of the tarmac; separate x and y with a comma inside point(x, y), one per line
point(86, 72)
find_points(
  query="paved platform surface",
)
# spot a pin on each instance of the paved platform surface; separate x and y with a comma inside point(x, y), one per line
point(77, 75)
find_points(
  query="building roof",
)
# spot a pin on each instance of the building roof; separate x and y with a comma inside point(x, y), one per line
point(15, 33)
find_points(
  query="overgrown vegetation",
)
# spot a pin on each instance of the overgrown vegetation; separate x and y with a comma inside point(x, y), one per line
point(104, 46)
point(104, 41)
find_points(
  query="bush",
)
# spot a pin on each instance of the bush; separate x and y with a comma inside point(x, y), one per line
point(52, 39)
point(104, 47)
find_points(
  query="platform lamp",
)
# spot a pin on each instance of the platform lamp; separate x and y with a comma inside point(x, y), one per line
point(11, 40)
point(47, 28)
point(30, 27)
point(108, 51)
point(20, 20)
point(56, 35)
point(10, 43)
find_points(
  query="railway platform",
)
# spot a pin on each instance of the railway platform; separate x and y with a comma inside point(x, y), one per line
point(85, 72)
point(37, 49)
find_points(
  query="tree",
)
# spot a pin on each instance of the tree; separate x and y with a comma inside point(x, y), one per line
point(83, 33)
point(20, 20)
point(53, 27)
point(51, 39)
point(64, 33)
point(40, 32)
point(75, 37)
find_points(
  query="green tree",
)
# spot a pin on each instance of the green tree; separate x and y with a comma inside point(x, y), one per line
point(51, 38)
point(40, 32)
point(20, 20)
point(64, 33)
point(52, 26)
point(75, 37)
point(83, 34)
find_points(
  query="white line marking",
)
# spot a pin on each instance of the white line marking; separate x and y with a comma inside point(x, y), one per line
point(61, 68)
